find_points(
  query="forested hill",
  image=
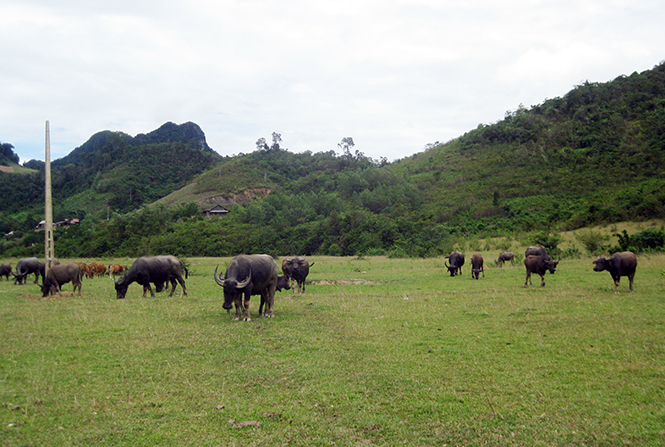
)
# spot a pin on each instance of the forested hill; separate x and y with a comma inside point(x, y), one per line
point(114, 170)
point(596, 154)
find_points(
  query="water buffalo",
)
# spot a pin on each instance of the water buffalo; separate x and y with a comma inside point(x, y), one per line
point(539, 265)
point(620, 264)
point(456, 262)
point(248, 275)
point(537, 251)
point(505, 256)
point(27, 266)
point(297, 269)
point(477, 266)
point(6, 270)
point(61, 274)
point(152, 269)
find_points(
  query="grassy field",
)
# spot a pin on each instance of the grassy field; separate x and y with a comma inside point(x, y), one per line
point(377, 352)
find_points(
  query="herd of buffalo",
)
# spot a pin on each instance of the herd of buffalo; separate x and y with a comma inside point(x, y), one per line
point(248, 275)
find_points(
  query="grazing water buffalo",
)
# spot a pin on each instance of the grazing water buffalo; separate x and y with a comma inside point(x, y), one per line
point(249, 275)
point(505, 256)
point(456, 262)
point(5, 270)
point(620, 264)
point(27, 266)
point(152, 269)
point(477, 266)
point(61, 274)
point(539, 265)
point(297, 269)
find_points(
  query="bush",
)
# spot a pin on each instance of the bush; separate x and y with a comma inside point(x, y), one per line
point(647, 240)
point(594, 241)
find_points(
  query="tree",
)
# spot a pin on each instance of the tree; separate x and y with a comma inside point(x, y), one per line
point(346, 145)
point(276, 139)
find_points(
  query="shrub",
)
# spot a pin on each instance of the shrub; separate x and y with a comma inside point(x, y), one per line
point(593, 241)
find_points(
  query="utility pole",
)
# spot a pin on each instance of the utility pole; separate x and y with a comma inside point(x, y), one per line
point(48, 206)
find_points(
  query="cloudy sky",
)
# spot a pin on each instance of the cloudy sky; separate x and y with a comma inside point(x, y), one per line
point(394, 75)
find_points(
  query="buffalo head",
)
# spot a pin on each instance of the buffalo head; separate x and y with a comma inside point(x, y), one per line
point(232, 288)
point(121, 286)
point(551, 265)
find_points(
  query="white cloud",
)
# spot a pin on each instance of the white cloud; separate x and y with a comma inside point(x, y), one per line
point(394, 75)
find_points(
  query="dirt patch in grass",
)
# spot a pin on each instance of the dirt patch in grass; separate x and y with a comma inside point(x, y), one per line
point(345, 282)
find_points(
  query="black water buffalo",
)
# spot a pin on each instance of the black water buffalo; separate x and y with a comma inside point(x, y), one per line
point(537, 251)
point(477, 266)
point(283, 283)
point(456, 262)
point(505, 256)
point(248, 275)
point(620, 264)
point(61, 274)
point(27, 266)
point(539, 265)
point(152, 269)
point(5, 270)
point(297, 269)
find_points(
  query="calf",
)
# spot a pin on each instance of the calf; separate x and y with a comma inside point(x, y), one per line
point(539, 265)
point(59, 275)
point(477, 266)
point(620, 264)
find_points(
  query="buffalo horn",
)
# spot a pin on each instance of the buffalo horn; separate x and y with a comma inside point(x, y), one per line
point(218, 280)
point(242, 285)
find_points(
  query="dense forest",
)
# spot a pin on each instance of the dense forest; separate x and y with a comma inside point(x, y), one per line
point(595, 155)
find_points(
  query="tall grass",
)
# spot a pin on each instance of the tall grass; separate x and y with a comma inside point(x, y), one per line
point(377, 352)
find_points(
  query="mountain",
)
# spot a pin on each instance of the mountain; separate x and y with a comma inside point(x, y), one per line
point(115, 171)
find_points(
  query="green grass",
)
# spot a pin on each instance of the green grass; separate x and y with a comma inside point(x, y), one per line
point(377, 352)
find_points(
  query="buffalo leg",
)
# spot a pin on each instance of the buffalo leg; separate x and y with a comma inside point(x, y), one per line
point(147, 288)
point(173, 284)
point(630, 279)
point(616, 284)
point(182, 284)
point(528, 279)
point(270, 301)
point(239, 310)
point(542, 280)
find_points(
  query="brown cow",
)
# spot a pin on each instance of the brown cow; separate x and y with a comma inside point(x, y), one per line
point(98, 269)
point(620, 264)
point(115, 269)
point(539, 265)
point(477, 266)
point(85, 270)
